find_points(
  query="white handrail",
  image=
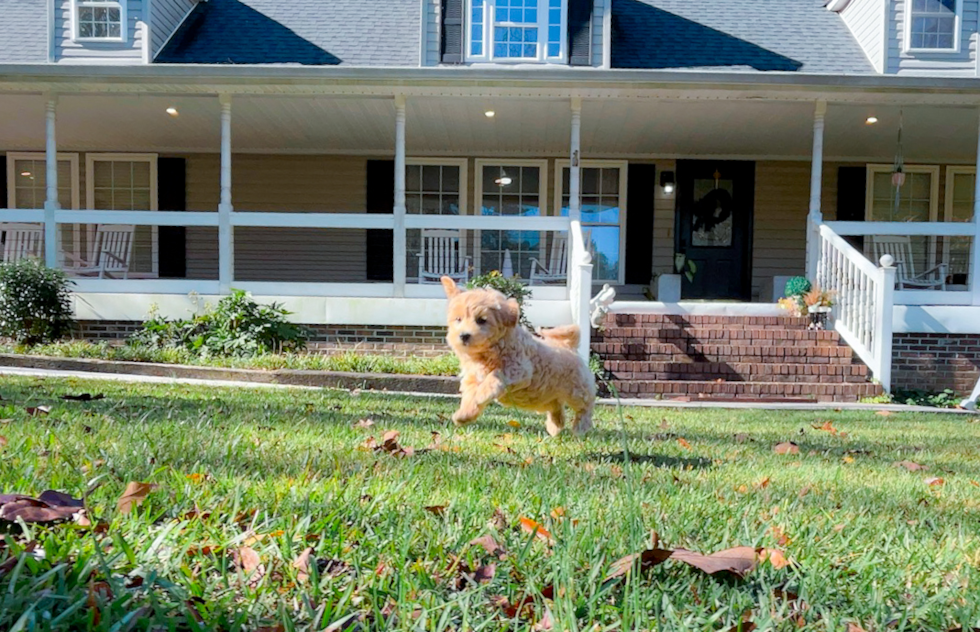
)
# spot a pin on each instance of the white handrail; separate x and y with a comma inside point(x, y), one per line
point(491, 222)
point(930, 229)
point(580, 285)
point(864, 300)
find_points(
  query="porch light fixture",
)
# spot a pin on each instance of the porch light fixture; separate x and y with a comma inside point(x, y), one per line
point(667, 181)
point(172, 111)
point(490, 114)
point(871, 120)
point(25, 174)
point(503, 181)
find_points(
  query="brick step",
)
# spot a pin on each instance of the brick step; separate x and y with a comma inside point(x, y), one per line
point(737, 371)
point(658, 352)
point(745, 390)
point(715, 333)
point(748, 322)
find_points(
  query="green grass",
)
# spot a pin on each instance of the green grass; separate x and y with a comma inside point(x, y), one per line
point(348, 361)
point(871, 543)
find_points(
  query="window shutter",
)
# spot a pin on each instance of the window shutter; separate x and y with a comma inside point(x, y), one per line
point(640, 186)
point(580, 32)
point(172, 196)
point(380, 199)
point(851, 183)
point(452, 31)
point(3, 182)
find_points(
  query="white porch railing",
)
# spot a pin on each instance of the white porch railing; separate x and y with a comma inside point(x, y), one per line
point(580, 286)
point(864, 297)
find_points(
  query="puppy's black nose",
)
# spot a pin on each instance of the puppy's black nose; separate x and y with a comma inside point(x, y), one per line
point(465, 338)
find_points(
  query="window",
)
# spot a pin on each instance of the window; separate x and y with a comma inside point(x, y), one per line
point(100, 20)
point(516, 30)
point(959, 208)
point(515, 188)
point(27, 173)
point(603, 191)
point(125, 182)
point(933, 25)
point(433, 187)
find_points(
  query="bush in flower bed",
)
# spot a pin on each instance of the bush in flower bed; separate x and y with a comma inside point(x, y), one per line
point(35, 302)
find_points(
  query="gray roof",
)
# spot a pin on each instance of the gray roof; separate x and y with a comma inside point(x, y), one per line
point(306, 32)
point(739, 35)
point(25, 32)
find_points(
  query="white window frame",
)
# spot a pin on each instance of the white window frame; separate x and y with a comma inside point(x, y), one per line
point(463, 165)
point(90, 160)
point(951, 172)
point(489, 11)
point(72, 158)
point(931, 170)
point(623, 166)
point(957, 34)
point(108, 4)
point(479, 164)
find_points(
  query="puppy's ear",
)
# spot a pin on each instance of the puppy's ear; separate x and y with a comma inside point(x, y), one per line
point(510, 313)
point(450, 286)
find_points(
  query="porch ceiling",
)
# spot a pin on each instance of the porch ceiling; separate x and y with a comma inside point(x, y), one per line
point(611, 127)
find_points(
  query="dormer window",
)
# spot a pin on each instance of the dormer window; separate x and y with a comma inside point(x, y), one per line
point(530, 31)
point(99, 20)
point(933, 26)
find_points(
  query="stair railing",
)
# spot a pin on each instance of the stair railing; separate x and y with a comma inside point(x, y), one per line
point(864, 300)
point(580, 285)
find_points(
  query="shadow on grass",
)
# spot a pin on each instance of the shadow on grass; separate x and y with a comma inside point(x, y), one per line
point(657, 460)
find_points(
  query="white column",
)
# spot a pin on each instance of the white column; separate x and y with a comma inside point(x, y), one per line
point(884, 313)
point(226, 234)
point(574, 176)
point(51, 181)
point(400, 247)
point(815, 217)
point(975, 245)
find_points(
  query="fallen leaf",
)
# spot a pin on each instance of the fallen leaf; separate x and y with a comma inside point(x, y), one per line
point(827, 426)
point(806, 490)
point(738, 560)
point(742, 438)
point(484, 574)
point(499, 521)
point(250, 564)
point(764, 483)
point(537, 530)
point(911, 466)
point(3, 441)
point(196, 477)
point(50, 506)
point(787, 447)
point(853, 627)
point(683, 442)
point(436, 509)
point(557, 513)
point(781, 538)
point(974, 483)
point(37, 411)
point(884, 413)
point(271, 628)
point(775, 557)
point(133, 496)
point(935, 482)
point(11, 562)
point(848, 458)
point(545, 623)
point(490, 546)
point(745, 625)
point(302, 565)
point(513, 423)
point(255, 538)
point(83, 397)
point(644, 560)
point(364, 423)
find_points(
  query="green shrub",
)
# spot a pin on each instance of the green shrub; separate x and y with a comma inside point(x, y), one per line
point(509, 287)
point(236, 327)
point(35, 302)
point(797, 286)
point(914, 397)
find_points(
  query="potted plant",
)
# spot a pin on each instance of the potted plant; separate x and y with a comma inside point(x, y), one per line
point(817, 304)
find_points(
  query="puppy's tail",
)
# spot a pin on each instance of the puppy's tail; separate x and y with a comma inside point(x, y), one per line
point(566, 336)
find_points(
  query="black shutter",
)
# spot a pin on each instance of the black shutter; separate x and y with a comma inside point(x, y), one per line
point(580, 32)
point(3, 182)
point(640, 187)
point(451, 44)
point(172, 196)
point(851, 183)
point(380, 199)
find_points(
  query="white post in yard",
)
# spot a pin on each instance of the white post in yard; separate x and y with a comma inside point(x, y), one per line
point(884, 312)
point(574, 180)
point(400, 243)
point(226, 234)
point(51, 183)
point(975, 244)
point(815, 217)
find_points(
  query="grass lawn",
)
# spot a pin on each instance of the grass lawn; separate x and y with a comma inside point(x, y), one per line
point(249, 479)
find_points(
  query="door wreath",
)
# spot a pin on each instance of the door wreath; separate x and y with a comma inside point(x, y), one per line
point(713, 209)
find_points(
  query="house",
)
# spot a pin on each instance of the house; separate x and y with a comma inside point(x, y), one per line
point(306, 151)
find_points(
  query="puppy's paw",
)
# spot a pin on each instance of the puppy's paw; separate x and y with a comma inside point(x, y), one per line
point(466, 414)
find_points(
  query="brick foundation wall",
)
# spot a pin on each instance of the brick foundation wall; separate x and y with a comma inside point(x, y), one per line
point(402, 341)
point(933, 362)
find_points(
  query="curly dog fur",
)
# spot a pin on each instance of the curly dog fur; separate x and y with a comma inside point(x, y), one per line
point(502, 361)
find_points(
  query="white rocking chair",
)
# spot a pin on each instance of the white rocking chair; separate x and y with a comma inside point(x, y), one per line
point(442, 255)
point(557, 270)
point(110, 255)
point(900, 248)
point(22, 241)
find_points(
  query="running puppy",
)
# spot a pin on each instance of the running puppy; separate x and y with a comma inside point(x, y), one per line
point(502, 361)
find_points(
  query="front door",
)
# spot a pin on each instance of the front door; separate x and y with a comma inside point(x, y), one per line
point(714, 227)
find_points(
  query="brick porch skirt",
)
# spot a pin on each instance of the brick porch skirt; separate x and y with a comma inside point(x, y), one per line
point(401, 341)
point(933, 362)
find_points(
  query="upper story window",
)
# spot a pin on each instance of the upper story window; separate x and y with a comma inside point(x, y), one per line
point(100, 20)
point(516, 30)
point(933, 25)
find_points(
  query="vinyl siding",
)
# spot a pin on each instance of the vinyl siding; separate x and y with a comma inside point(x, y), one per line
point(25, 37)
point(663, 223)
point(866, 20)
point(961, 64)
point(431, 9)
point(597, 12)
point(69, 51)
point(300, 184)
point(166, 17)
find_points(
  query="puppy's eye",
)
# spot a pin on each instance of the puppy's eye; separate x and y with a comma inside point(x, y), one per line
point(481, 321)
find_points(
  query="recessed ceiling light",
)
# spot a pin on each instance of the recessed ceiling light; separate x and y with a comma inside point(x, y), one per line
point(871, 120)
point(490, 114)
point(26, 174)
point(172, 111)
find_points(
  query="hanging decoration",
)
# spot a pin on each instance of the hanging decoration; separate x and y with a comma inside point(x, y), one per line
point(712, 209)
point(898, 171)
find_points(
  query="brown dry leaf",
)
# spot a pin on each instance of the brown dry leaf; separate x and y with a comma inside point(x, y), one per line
point(745, 625)
point(646, 559)
point(50, 506)
point(853, 627)
point(490, 546)
point(781, 538)
point(364, 423)
point(484, 574)
point(806, 490)
point(935, 481)
point(775, 557)
point(738, 560)
point(436, 509)
point(683, 442)
point(545, 623)
point(37, 411)
point(741, 437)
point(250, 564)
point(302, 564)
point(827, 426)
point(271, 628)
point(3, 441)
point(513, 423)
point(133, 496)
point(974, 483)
point(196, 477)
point(884, 413)
point(258, 537)
point(557, 513)
point(911, 466)
point(11, 562)
point(787, 447)
point(537, 530)
point(848, 458)
point(764, 483)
